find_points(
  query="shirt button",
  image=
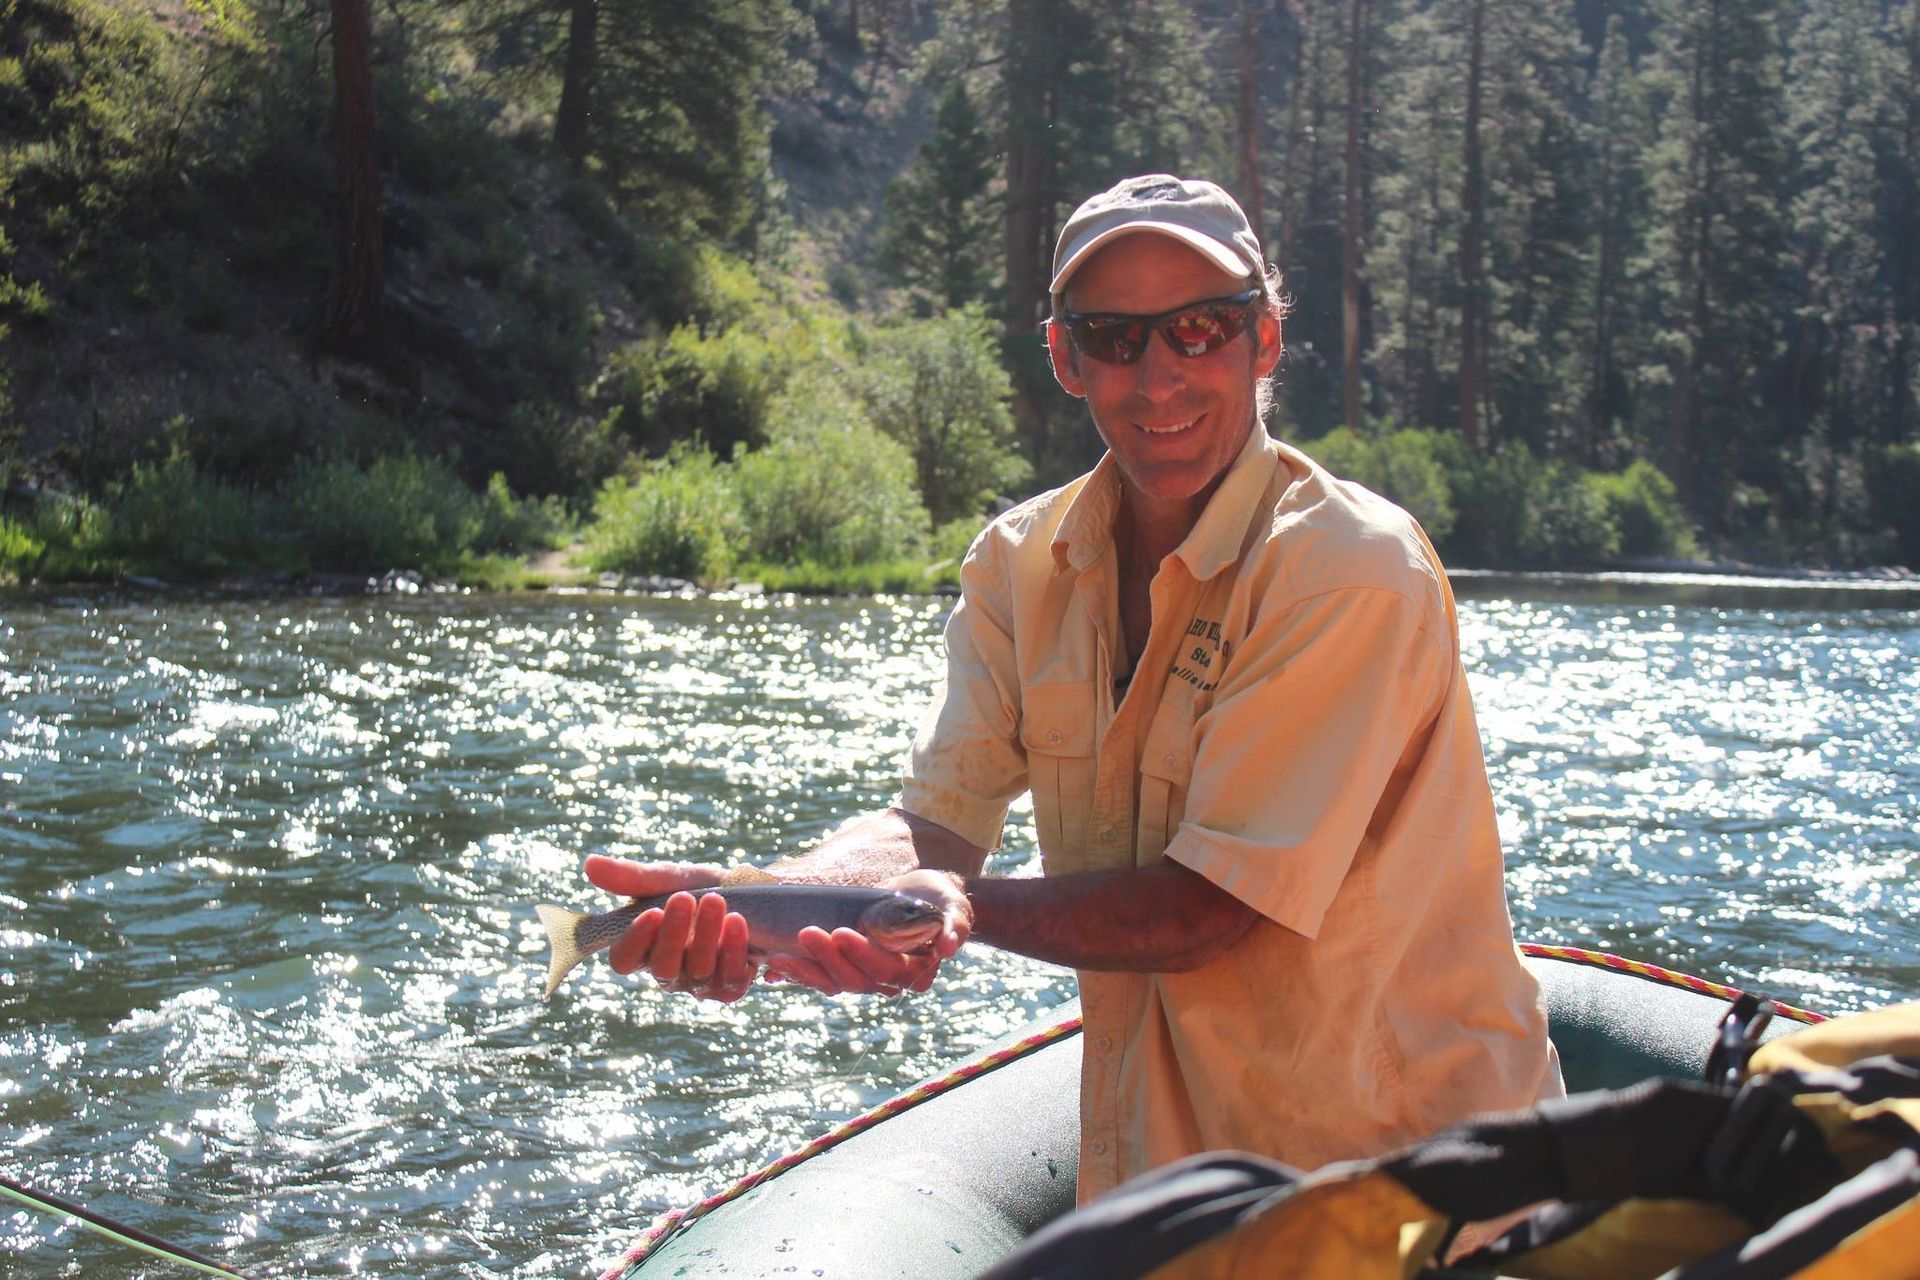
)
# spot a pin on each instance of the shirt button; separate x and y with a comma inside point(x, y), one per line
point(1098, 1146)
point(1104, 1044)
point(1053, 735)
point(1168, 759)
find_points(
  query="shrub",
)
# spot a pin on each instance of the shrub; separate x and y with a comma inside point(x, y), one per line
point(1516, 511)
point(402, 511)
point(1892, 484)
point(58, 538)
point(508, 523)
point(20, 551)
point(1405, 466)
point(828, 489)
point(1645, 507)
point(694, 386)
point(938, 387)
point(678, 517)
point(175, 518)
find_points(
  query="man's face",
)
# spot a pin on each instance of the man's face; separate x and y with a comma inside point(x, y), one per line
point(1174, 423)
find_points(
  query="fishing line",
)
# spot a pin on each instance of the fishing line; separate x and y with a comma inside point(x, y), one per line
point(118, 1232)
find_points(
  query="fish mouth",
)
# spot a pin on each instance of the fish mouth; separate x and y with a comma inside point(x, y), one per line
point(906, 938)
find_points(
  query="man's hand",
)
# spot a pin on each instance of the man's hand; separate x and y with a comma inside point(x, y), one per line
point(693, 945)
point(846, 960)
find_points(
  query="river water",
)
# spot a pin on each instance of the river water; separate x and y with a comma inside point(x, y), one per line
point(270, 984)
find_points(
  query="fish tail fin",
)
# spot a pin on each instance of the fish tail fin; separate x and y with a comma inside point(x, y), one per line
point(566, 953)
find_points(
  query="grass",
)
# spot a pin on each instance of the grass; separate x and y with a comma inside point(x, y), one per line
point(885, 577)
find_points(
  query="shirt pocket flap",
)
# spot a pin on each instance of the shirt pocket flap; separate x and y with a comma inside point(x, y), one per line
point(1168, 752)
point(1057, 719)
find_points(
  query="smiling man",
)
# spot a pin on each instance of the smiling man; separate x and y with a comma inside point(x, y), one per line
point(1232, 684)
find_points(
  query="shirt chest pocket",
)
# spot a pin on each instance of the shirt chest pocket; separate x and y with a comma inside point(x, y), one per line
point(1166, 769)
point(1057, 730)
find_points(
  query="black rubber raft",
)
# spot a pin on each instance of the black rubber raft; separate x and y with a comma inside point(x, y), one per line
point(941, 1187)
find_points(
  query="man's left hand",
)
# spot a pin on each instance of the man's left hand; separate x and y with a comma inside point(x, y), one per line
point(848, 961)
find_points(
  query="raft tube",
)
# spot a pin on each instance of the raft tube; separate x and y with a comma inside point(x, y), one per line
point(940, 1183)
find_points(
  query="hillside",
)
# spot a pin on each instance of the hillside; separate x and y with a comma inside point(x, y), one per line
point(632, 242)
point(183, 310)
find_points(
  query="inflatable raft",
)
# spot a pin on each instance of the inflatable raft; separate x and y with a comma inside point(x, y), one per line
point(944, 1180)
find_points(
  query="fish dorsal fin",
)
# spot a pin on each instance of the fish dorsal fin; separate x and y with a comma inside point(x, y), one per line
point(747, 875)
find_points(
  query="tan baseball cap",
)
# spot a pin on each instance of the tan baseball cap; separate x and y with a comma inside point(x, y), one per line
point(1197, 213)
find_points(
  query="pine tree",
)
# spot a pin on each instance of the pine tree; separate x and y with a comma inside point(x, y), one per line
point(1538, 218)
point(1354, 212)
point(1481, 236)
point(1307, 248)
point(1716, 245)
point(1839, 116)
point(1611, 315)
point(664, 101)
point(1416, 283)
point(941, 215)
point(1901, 219)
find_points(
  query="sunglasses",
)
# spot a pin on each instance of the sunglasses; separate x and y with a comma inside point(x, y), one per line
point(1192, 330)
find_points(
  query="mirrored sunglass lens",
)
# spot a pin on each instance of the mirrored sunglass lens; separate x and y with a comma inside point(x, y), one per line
point(1204, 329)
point(1116, 342)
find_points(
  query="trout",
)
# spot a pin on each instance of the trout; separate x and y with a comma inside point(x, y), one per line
point(775, 912)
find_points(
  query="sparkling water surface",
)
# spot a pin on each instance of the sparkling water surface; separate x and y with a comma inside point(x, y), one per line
point(270, 981)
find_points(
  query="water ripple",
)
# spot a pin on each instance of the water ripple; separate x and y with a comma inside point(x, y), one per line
point(269, 983)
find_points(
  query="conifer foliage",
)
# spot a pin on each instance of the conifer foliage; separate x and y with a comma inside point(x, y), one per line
point(1678, 232)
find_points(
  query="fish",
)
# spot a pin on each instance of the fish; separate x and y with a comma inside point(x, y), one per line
point(776, 911)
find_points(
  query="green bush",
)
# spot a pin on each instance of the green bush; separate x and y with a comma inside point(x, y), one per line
point(938, 387)
point(1516, 511)
point(20, 551)
point(1893, 486)
point(691, 385)
point(829, 490)
point(59, 539)
point(1405, 466)
point(508, 523)
point(402, 511)
point(1645, 507)
point(176, 519)
point(679, 518)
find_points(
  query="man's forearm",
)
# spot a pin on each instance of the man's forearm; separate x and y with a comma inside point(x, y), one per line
point(1161, 919)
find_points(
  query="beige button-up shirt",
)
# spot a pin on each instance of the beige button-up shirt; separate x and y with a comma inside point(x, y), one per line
point(1299, 732)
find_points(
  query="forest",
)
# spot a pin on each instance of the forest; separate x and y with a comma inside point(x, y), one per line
point(752, 289)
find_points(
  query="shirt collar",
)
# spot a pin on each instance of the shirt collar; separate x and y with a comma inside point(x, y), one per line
point(1086, 530)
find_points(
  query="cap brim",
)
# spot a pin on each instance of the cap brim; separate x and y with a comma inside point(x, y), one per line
point(1221, 256)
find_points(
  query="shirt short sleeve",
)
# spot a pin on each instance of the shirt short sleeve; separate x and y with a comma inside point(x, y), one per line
point(967, 764)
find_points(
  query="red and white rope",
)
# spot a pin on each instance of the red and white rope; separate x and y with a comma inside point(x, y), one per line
point(1601, 959)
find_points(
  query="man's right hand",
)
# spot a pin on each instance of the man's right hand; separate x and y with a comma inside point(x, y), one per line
point(690, 944)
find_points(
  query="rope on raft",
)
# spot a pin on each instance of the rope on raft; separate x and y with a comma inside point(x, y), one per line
point(1654, 972)
point(673, 1221)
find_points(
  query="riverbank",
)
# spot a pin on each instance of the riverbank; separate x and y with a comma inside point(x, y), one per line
point(562, 572)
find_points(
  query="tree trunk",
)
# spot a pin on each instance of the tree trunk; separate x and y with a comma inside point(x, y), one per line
point(1683, 443)
point(1247, 121)
point(352, 319)
point(570, 131)
point(1472, 237)
point(1291, 197)
point(1351, 223)
point(1026, 168)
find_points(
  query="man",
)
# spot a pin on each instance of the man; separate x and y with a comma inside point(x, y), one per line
point(1233, 685)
